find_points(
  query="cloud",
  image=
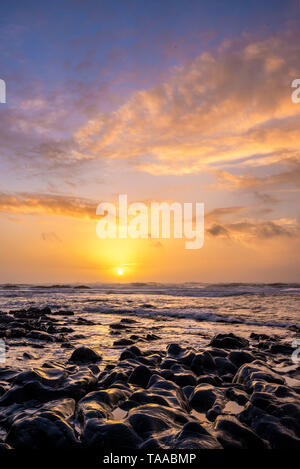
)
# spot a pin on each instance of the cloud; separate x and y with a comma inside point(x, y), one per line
point(47, 204)
point(227, 105)
point(51, 237)
point(288, 177)
point(254, 230)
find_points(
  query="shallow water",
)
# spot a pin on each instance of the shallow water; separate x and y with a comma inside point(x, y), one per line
point(188, 313)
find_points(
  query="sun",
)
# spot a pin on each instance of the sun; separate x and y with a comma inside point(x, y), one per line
point(120, 271)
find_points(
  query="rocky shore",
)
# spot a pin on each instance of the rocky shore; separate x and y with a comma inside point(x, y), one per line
point(235, 392)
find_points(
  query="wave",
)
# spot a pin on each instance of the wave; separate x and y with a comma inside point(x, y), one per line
point(201, 316)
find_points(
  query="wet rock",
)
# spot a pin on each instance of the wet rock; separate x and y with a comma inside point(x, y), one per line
point(28, 356)
point(151, 418)
point(43, 431)
point(186, 357)
point(210, 379)
point(38, 335)
point(117, 326)
point(170, 391)
point(174, 350)
point(131, 352)
point(240, 357)
point(123, 342)
point(184, 379)
point(237, 395)
point(167, 363)
point(85, 355)
point(224, 366)
point(109, 436)
point(99, 404)
point(232, 434)
point(229, 341)
point(203, 398)
point(271, 429)
point(284, 349)
point(75, 386)
point(150, 337)
point(140, 376)
point(195, 436)
point(256, 371)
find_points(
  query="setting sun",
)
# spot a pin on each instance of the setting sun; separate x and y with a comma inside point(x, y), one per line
point(120, 271)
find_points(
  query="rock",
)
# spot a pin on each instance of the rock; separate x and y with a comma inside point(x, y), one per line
point(123, 342)
point(109, 436)
point(117, 326)
point(224, 366)
point(195, 436)
point(203, 398)
point(170, 391)
point(174, 350)
point(232, 434)
point(131, 352)
point(203, 361)
point(210, 379)
point(248, 374)
point(237, 395)
point(85, 355)
point(99, 404)
point(229, 341)
point(38, 335)
point(240, 357)
point(150, 337)
point(284, 349)
point(45, 430)
point(140, 376)
point(75, 386)
point(184, 379)
point(167, 363)
point(271, 429)
point(151, 418)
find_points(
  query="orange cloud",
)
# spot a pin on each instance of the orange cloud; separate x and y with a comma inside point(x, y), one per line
point(224, 106)
point(46, 204)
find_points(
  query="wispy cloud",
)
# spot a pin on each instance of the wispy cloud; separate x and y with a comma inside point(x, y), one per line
point(48, 204)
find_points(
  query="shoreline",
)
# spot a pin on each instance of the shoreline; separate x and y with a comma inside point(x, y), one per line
point(227, 391)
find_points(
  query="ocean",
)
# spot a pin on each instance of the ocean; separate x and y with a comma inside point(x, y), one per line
point(189, 312)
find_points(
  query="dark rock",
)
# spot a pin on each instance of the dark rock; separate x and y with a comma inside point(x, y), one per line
point(233, 434)
point(184, 379)
point(240, 357)
point(203, 398)
point(174, 350)
point(224, 366)
point(271, 429)
point(203, 361)
point(109, 436)
point(140, 376)
point(43, 431)
point(248, 374)
point(151, 418)
point(38, 335)
point(210, 379)
point(284, 349)
point(151, 337)
point(229, 341)
point(123, 342)
point(85, 355)
point(117, 326)
point(237, 395)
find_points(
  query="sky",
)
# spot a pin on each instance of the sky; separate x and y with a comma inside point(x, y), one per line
point(173, 101)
